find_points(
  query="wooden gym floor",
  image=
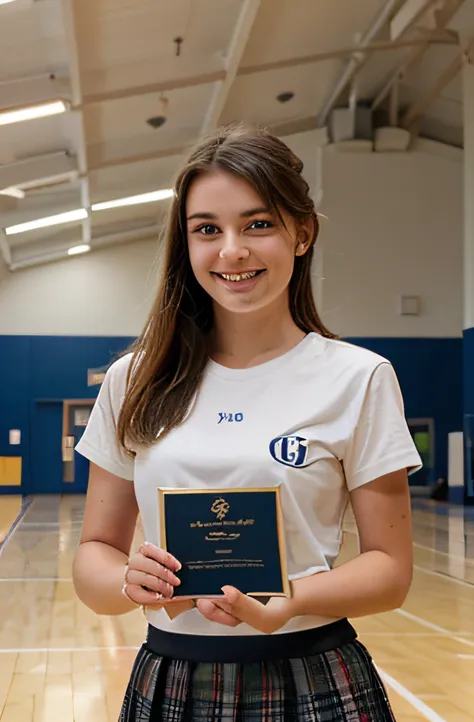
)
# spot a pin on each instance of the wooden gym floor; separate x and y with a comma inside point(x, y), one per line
point(59, 662)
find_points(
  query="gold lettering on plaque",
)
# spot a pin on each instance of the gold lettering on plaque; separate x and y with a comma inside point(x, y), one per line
point(220, 508)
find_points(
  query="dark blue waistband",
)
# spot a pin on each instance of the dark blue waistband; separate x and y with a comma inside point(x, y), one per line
point(250, 648)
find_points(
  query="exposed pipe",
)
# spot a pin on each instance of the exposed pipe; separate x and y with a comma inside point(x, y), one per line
point(378, 23)
point(5, 249)
point(394, 104)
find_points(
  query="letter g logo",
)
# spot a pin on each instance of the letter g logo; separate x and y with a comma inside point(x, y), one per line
point(220, 507)
point(290, 450)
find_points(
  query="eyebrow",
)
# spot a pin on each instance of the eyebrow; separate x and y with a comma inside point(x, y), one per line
point(244, 214)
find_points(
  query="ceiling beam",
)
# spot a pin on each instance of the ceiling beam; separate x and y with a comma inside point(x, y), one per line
point(99, 242)
point(139, 158)
point(421, 104)
point(5, 249)
point(38, 170)
point(152, 88)
point(237, 47)
point(443, 17)
point(400, 73)
point(378, 23)
point(220, 75)
point(409, 15)
point(39, 208)
point(290, 127)
point(67, 7)
point(32, 91)
point(381, 46)
point(282, 129)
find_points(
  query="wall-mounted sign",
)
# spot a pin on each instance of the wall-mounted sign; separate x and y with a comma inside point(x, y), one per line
point(95, 377)
point(15, 437)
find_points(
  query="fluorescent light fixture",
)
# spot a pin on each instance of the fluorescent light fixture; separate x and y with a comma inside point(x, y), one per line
point(32, 112)
point(134, 200)
point(4, 2)
point(78, 249)
point(13, 192)
point(69, 217)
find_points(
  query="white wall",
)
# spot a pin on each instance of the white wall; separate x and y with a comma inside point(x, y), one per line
point(395, 226)
point(105, 293)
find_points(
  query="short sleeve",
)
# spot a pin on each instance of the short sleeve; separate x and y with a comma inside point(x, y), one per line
point(381, 442)
point(99, 442)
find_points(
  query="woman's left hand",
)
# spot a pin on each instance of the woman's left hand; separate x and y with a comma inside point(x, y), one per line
point(235, 608)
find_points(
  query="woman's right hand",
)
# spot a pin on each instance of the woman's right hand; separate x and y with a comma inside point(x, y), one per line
point(149, 578)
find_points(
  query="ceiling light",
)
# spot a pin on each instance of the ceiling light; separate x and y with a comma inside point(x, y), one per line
point(4, 2)
point(285, 97)
point(69, 217)
point(32, 112)
point(157, 121)
point(78, 249)
point(134, 200)
point(13, 192)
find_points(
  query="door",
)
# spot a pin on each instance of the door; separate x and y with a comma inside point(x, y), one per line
point(469, 459)
point(46, 466)
point(78, 417)
point(422, 431)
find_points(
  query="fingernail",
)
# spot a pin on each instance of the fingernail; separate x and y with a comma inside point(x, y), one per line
point(147, 544)
point(179, 567)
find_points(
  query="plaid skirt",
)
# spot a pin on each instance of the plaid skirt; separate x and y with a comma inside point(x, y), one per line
point(338, 686)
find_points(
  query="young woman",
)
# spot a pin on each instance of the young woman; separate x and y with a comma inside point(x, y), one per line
point(235, 382)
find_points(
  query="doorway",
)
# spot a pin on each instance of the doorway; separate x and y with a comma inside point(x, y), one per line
point(76, 414)
point(422, 431)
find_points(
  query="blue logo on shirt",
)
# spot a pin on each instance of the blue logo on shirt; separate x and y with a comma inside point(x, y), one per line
point(230, 418)
point(290, 450)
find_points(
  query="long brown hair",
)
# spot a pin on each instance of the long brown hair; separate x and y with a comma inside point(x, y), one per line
point(170, 355)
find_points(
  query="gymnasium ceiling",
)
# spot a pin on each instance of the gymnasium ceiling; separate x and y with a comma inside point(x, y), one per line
point(191, 65)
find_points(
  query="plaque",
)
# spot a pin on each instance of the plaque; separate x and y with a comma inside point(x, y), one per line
point(225, 536)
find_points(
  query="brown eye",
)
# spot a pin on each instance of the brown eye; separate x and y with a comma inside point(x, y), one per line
point(261, 225)
point(207, 230)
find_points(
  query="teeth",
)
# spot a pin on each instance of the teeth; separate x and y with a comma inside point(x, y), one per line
point(238, 276)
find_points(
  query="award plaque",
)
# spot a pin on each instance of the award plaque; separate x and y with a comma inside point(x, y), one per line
point(225, 536)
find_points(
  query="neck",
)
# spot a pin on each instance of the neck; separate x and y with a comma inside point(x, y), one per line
point(241, 340)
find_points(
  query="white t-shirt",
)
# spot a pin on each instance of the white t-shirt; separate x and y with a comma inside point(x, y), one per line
point(320, 420)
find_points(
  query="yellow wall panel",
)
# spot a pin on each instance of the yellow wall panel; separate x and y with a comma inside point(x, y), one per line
point(10, 470)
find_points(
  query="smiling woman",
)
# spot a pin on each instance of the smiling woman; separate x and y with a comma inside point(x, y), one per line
point(244, 254)
point(235, 383)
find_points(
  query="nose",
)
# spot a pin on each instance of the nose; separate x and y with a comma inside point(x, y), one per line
point(234, 247)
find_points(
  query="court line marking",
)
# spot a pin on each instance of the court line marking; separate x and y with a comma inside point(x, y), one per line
point(69, 579)
point(427, 712)
point(434, 627)
point(468, 560)
point(26, 505)
point(43, 650)
point(411, 698)
point(446, 577)
point(407, 634)
point(408, 696)
point(35, 579)
point(52, 524)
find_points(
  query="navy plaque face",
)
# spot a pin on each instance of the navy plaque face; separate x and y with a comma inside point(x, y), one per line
point(224, 537)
